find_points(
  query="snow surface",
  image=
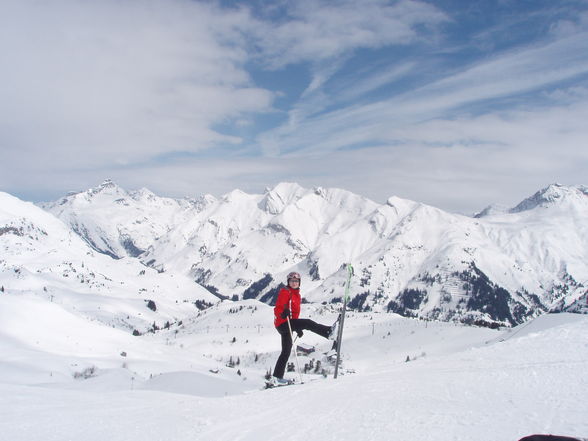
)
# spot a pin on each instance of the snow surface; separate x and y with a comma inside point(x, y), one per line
point(461, 383)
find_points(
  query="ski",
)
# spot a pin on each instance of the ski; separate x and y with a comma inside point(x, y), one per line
point(272, 385)
point(269, 385)
point(342, 318)
point(292, 382)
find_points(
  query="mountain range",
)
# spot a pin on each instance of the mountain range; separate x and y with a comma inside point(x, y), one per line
point(496, 268)
point(41, 257)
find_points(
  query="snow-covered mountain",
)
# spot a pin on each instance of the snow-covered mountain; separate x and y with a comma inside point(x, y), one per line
point(42, 257)
point(67, 314)
point(120, 223)
point(500, 267)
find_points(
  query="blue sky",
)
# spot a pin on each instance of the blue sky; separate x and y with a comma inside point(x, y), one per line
point(457, 104)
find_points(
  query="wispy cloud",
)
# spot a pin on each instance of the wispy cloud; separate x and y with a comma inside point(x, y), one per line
point(506, 77)
point(358, 86)
point(315, 30)
point(95, 82)
point(447, 106)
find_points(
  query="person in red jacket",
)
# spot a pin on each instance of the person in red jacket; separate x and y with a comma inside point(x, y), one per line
point(288, 308)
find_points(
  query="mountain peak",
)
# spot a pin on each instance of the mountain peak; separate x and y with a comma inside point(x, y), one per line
point(107, 184)
point(108, 187)
point(490, 210)
point(285, 188)
point(277, 198)
point(552, 195)
point(143, 194)
point(401, 205)
point(235, 195)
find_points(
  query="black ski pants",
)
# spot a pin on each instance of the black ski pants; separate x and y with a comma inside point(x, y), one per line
point(297, 325)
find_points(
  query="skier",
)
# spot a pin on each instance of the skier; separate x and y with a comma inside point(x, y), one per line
point(286, 313)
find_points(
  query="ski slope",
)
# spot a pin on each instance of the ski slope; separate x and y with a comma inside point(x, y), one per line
point(461, 383)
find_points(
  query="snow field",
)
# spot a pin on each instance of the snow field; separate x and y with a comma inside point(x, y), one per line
point(461, 383)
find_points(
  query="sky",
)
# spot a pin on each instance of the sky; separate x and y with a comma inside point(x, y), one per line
point(457, 104)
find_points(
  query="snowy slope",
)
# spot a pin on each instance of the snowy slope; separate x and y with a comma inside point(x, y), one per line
point(41, 257)
point(461, 383)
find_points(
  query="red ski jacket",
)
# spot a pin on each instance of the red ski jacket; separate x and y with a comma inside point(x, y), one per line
point(287, 298)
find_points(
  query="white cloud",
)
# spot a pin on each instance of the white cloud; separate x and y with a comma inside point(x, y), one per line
point(94, 90)
point(92, 82)
point(319, 30)
point(508, 75)
point(354, 87)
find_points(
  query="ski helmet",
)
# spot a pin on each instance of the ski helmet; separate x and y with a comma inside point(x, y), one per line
point(293, 275)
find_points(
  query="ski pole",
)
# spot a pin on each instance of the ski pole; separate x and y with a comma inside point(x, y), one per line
point(295, 352)
point(342, 318)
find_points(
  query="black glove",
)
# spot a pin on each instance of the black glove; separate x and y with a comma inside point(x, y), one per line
point(285, 313)
point(299, 332)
